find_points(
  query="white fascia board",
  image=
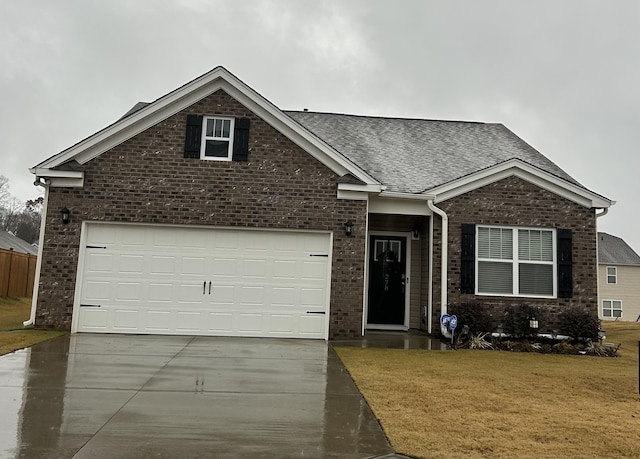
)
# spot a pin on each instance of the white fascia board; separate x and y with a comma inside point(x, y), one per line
point(50, 173)
point(526, 172)
point(65, 182)
point(410, 196)
point(398, 206)
point(353, 195)
point(368, 188)
point(187, 95)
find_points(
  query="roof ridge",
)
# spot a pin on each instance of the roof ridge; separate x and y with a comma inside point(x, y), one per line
point(399, 118)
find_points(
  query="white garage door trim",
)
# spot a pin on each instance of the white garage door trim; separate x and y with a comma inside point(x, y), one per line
point(288, 270)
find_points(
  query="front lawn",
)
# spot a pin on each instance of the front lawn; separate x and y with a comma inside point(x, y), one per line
point(497, 404)
point(14, 311)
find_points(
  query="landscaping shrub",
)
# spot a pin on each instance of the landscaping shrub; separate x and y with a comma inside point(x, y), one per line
point(475, 315)
point(564, 347)
point(517, 317)
point(579, 323)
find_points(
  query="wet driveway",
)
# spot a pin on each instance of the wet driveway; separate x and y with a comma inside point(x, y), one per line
point(116, 396)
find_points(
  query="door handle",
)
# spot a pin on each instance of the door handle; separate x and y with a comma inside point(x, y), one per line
point(204, 287)
point(209, 287)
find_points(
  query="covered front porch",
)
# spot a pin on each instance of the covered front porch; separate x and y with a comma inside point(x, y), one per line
point(399, 267)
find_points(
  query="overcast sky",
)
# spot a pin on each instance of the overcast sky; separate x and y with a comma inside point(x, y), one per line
point(563, 75)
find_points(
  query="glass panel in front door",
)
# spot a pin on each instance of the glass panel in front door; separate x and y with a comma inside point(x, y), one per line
point(387, 275)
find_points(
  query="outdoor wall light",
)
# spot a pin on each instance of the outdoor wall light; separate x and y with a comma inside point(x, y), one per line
point(533, 323)
point(415, 232)
point(348, 228)
point(66, 215)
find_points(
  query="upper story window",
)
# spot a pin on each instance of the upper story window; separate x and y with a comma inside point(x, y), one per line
point(217, 138)
point(516, 261)
point(612, 275)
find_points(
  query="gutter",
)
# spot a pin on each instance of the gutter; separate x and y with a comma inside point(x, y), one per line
point(444, 266)
point(605, 211)
point(36, 282)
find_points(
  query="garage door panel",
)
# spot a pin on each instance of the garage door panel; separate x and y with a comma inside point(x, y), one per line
point(163, 265)
point(254, 268)
point(97, 291)
point(188, 321)
point(284, 296)
point(94, 319)
point(131, 264)
point(281, 323)
point(312, 326)
point(220, 322)
point(129, 292)
point(158, 321)
point(126, 319)
point(160, 292)
point(202, 281)
point(253, 295)
point(312, 297)
point(99, 262)
point(250, 322)
point(193, 266)
point(224, 267)
point(191, 292)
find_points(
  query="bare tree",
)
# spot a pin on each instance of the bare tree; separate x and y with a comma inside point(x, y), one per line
point(23, 220)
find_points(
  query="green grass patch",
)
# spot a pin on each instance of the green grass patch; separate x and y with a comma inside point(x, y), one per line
point(497, 404)
point(13, 312)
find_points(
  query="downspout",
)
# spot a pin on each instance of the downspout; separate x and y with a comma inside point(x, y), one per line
point(444, 264)
point(604, 212)
point(36, 281)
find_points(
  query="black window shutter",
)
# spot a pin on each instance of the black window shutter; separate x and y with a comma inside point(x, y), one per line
point(468, 259)
point(565, 264)
point(193, 136)
point(241, 140)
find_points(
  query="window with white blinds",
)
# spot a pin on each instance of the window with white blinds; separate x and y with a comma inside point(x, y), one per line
point(515, 261)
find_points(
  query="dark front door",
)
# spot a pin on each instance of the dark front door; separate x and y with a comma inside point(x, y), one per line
point(387, 280)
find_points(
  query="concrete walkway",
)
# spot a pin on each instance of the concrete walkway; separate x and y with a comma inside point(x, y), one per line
point(116, 396)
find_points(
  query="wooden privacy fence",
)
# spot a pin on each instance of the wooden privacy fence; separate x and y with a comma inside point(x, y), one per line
point(17, 273)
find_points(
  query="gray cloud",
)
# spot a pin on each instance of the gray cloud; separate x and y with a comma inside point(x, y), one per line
point(562, 75)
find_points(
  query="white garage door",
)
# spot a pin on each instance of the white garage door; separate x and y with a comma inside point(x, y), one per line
point(203, 281)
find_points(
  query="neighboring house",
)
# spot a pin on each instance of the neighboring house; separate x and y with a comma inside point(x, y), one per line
point(9, 241)
point(619, 279)
point(212, 212)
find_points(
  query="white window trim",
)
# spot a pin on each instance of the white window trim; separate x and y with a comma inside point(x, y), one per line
point(612, 309)
point(203, 141)
point(615, 275)
point(515, 262)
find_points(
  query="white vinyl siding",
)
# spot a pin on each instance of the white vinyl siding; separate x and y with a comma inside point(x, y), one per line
point(523, 265)
point(612, 309)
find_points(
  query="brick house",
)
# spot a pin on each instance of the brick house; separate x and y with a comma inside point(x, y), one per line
point(212, 212)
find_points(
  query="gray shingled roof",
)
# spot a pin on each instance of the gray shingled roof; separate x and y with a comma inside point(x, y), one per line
point(613, 250)
point(8, 241)
point(416, 155)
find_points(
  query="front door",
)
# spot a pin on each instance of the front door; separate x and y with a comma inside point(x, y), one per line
point(387, 280)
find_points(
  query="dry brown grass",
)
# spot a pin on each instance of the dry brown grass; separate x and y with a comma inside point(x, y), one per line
point(14, 311)
point(495, 404)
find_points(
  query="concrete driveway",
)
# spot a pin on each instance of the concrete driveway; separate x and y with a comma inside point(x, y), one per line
point(116, 396)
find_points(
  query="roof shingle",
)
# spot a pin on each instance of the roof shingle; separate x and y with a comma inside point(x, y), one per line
point(416, 155)
point(614, 250)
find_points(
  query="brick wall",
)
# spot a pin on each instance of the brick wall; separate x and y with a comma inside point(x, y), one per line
point(515, 202)
point(147, 180)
